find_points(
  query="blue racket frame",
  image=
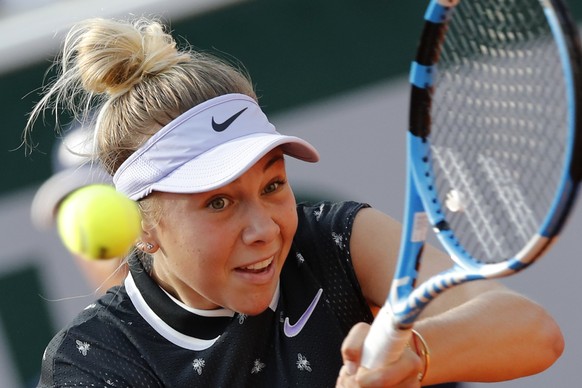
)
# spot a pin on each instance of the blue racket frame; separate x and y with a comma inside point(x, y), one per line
point(423, 209)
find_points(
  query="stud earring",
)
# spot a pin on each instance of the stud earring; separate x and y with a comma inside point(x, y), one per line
point(146, 247)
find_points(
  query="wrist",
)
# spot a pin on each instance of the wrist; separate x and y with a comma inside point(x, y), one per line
point(420, 347)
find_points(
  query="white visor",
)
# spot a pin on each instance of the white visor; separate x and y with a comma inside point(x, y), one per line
point(205, 148)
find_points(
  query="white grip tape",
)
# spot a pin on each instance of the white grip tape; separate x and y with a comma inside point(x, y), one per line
point(384, 344)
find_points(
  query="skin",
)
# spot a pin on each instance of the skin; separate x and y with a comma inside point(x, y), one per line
point(208, 241)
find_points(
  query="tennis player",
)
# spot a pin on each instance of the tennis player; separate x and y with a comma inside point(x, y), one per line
point(233, 283)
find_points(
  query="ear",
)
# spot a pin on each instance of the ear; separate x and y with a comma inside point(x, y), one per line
point(148, 238)
point(148, 231)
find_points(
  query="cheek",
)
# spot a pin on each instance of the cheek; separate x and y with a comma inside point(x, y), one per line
point(200, 250)
point(200, 263)
point(187, 247)
point(287, 219)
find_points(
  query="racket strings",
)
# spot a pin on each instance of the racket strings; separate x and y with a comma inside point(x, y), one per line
point(499, 125)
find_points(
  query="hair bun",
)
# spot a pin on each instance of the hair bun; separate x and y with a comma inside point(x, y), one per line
point(112, 56)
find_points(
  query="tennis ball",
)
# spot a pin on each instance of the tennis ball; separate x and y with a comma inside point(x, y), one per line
point(97, 222)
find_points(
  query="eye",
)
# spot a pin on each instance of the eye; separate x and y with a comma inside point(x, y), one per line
point(218, 203)
point(273, 186)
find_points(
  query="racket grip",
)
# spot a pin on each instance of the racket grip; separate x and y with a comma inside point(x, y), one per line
point(385, 343)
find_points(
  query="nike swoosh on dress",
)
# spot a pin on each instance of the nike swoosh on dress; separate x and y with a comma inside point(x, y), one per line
point(292, 330)
point(219, 127)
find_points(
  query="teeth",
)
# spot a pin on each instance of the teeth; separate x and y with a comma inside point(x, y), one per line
point(260, 265)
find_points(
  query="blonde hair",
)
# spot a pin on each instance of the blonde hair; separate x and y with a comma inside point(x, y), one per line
point(134, 79)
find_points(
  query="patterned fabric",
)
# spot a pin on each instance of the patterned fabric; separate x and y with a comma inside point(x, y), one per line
point(137, 335)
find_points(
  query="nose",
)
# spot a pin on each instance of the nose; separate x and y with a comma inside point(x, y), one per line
point(260, 225)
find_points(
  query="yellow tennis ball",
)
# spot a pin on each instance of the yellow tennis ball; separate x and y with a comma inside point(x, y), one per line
point(97, 222)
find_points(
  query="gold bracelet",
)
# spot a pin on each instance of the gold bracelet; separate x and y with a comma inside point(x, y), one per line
point(423, 352)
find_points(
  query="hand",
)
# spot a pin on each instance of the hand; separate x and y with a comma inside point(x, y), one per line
point(403, 373)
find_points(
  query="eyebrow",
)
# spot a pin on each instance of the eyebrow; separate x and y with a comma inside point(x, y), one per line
point(272, 161)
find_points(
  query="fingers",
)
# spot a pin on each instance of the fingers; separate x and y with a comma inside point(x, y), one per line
point(346, 379)
point(352, 345)
point(401, 374)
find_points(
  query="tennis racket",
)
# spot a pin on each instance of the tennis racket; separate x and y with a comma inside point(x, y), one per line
point(493, 149)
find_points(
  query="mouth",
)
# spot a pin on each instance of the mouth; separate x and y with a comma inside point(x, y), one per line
point(258, 267)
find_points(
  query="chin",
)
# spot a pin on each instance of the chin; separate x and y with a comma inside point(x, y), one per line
point(256, 305)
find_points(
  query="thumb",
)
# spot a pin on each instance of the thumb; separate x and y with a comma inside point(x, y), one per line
point(352, 345)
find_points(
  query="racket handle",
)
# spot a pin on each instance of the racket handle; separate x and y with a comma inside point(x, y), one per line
point(384, 344)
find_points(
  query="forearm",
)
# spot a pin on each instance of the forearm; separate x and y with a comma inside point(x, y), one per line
point(478, 331)
point(498, 335)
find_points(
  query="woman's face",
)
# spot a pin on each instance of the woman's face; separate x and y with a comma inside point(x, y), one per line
point(226, 247)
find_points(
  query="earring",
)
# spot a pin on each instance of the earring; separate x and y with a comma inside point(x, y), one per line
point(146, 247)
